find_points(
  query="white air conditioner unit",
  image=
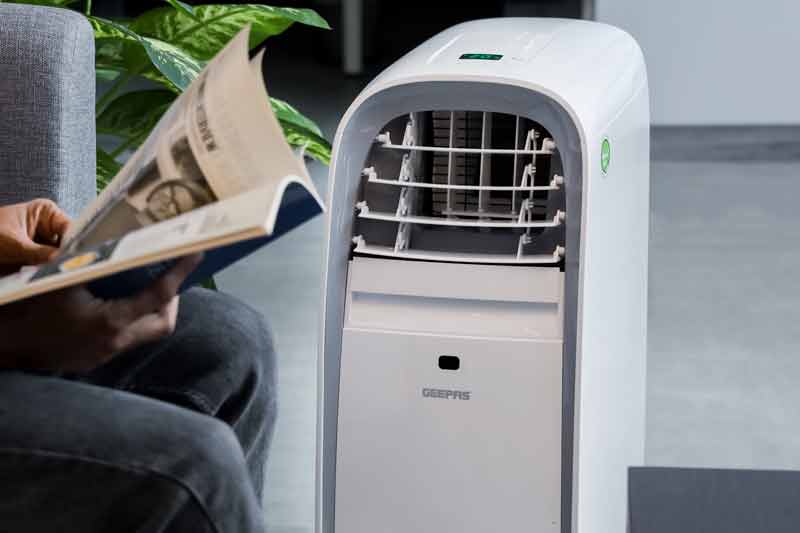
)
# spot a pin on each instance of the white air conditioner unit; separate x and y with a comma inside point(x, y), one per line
point(482, 365)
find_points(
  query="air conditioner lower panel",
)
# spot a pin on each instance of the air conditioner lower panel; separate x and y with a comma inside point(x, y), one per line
point(410, 460)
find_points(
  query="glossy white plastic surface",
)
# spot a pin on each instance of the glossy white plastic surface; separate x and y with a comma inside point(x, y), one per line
point(592, 69)
point(595, 73)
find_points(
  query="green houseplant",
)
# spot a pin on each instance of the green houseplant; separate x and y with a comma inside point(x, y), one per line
point(169, 46)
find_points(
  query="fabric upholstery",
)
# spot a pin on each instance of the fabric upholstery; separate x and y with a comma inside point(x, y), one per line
point(47, 97)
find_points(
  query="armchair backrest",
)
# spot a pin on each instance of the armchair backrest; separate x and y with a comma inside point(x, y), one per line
point(47, 98)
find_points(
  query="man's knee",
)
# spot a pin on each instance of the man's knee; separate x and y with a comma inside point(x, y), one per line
point(215, 470)
point(202, 457)
point(211, 460)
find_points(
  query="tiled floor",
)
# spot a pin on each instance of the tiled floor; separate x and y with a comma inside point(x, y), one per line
point(723, 347)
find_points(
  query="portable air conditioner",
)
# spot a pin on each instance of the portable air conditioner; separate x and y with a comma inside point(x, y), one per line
point(482, 362)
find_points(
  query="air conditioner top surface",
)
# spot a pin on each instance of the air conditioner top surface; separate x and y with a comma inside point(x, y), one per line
point(590, 68)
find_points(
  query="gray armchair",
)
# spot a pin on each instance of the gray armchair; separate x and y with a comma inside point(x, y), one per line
point(47, 98)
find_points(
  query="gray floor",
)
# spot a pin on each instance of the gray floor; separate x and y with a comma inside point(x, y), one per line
point(723, 366)
point(723, 349)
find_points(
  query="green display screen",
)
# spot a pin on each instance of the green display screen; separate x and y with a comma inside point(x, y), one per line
point(484, 57)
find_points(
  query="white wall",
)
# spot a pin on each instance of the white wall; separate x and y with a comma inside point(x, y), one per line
point(716, 61)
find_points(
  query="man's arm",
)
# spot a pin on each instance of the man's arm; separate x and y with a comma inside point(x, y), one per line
point(70, 329)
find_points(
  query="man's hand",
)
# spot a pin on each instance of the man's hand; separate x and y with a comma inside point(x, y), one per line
point(30, 233)
point(72, 331)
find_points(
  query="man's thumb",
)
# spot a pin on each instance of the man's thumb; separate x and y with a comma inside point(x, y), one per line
point(34, 253)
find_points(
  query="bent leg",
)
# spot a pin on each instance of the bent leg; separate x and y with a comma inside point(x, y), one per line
point(75, 457)
point(219, 361)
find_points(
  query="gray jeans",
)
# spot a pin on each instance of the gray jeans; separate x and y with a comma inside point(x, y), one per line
point(170, 437)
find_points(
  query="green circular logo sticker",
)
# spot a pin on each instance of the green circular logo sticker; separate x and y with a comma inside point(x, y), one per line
point(605, 155)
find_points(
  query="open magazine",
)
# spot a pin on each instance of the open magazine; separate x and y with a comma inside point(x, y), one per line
point(215, 175)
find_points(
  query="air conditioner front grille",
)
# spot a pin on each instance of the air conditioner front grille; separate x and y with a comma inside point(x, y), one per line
point(462, 186)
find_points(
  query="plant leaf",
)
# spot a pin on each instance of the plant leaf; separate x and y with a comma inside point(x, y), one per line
point(51, 3)
point(212, 26)
point(105, 29)
point(106, 74)
point(107, 168)
point(120, 49)
point(300, 131)
point(182, 6)
point(116, 47)
point(315, 145)
point(134, 114)
point(175, 64)
point(287, 113)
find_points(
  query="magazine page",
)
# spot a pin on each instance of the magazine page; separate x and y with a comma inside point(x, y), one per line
point(280, 165)
point(214, 225)
point(219, 139)
point(240, 144)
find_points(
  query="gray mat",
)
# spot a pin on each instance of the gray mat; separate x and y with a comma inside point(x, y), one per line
point(689, 500)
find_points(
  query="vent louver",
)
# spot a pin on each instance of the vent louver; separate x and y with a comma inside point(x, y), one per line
point(462, 186)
